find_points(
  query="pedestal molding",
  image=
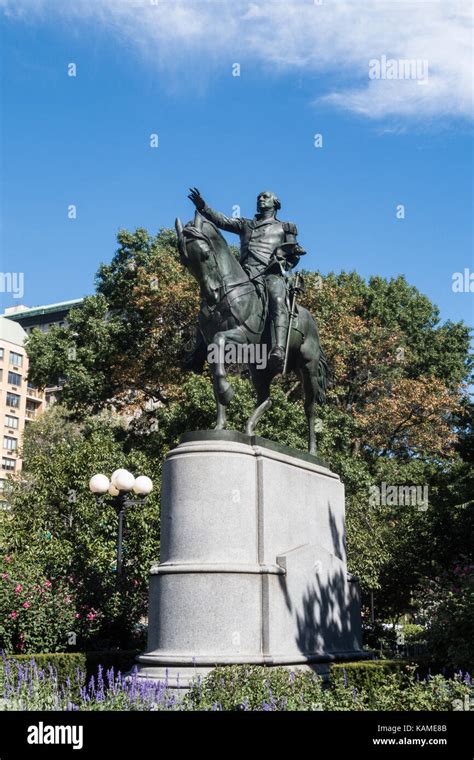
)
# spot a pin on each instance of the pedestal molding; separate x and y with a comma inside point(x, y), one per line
point(216, 567)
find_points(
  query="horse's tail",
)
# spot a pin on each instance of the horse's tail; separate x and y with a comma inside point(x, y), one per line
point(322, 377)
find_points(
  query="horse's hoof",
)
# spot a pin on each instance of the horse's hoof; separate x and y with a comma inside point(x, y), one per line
point(225, 397)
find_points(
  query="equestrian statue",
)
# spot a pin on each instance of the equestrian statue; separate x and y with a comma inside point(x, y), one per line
point(251, 300)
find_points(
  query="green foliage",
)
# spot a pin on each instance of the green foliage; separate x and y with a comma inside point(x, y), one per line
point(66, 664)
point(379, 687)
point(449, 604)
point(35, 614)
point(126, 341)
point(56, 525)
point(59, 682)
point(414, 633)
point(367, 675)
point(251, 687)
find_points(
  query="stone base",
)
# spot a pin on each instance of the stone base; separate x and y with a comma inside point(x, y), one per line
point(253, 564)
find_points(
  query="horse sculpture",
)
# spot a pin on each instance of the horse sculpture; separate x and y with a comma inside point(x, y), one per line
point(234, 311)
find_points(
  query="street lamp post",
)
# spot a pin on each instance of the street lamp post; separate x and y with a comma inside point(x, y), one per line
point(120, 486)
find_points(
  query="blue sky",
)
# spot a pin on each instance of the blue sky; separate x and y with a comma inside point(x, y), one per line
point(84, 140)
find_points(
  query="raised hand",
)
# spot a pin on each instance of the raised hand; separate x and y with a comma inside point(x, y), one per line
point(195, 197)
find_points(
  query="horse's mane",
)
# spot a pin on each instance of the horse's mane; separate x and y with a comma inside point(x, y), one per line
point(206, 231)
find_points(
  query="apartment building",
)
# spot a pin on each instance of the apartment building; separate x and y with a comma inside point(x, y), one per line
point(19, 401)
point(43, 318)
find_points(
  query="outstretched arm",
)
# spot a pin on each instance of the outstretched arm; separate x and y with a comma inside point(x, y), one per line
point(227, 223)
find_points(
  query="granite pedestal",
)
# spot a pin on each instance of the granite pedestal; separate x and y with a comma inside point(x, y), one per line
point(253, 561)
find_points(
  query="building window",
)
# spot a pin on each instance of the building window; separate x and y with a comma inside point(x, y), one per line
point(8, 464)
point(10, 443)
point(1, 353)
point(11, 422)
point(13, 400)
point(16, 359)
point(14, 378)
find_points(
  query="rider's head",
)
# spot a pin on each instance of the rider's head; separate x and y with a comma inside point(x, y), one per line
point(267, 201)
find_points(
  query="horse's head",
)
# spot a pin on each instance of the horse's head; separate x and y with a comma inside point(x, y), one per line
point(203, 251)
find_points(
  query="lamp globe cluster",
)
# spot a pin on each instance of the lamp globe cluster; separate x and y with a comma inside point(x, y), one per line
point(121, 481)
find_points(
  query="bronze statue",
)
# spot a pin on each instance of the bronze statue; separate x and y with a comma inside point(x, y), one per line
point(245, 302)
point(262, 239)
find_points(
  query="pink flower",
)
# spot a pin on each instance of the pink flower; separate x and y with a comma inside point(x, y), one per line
point(47, 584)
point(8, 558)
point(26, 605)
point(13, 614)
point(90, 616)
point(78, 614)
point(5, 576)
point(18, 588)
point(67, 599)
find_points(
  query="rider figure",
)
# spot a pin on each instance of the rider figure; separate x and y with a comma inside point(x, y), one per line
point(268, 248)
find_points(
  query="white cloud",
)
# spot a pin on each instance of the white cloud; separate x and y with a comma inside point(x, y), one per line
point(337, 38)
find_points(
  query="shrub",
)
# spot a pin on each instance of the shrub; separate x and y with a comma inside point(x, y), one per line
point(251, 687)
point(381, 687)
point(35, 613)
point(366, 675)
point(413, 633)
point(66, 664)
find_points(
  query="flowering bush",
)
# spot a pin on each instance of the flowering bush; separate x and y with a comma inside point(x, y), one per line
point(36, 614)
point(28, 687)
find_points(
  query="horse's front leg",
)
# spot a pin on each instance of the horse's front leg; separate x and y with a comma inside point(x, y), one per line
point(223, 390)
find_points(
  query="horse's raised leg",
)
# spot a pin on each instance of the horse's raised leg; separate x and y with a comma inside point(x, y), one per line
point(261, 379)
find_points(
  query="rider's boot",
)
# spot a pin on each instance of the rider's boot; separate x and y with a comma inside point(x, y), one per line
point(276, 358)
